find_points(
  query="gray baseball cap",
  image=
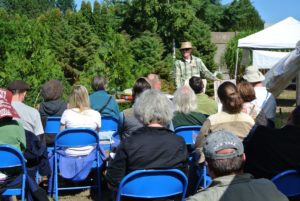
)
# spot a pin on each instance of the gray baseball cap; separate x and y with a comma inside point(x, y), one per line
point(222, 140)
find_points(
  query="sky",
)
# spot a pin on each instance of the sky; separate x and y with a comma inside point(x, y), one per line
point(271, 11)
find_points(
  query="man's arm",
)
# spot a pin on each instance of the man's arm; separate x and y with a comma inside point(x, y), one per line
point(205, 71)
point(177, 73)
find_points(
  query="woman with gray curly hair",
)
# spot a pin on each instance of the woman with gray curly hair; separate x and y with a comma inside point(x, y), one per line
point(185, 108)
point(152, 146)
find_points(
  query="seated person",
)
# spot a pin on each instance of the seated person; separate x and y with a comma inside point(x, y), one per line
point(205, 104)
point(250, 105)
point(101, 101)
point(185, 108)
point(231, 117)
point(80, 115)
point(129, 122)
point(152, 146)
point(52, 105)
point(224, 153)
point(270, 151)
point(11, 131)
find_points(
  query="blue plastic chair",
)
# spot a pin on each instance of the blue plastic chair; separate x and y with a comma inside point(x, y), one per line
point(153, 184)
point(109, 123)
point(189, 133)
point(288, 182)
point(10, 158)
point(76, 137)
point(204, 179)
point(53, 125)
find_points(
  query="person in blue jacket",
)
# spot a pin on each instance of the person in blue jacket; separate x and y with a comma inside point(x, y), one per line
point(101, 101)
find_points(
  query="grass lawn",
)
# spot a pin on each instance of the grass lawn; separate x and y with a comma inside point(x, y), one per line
point(286, 102)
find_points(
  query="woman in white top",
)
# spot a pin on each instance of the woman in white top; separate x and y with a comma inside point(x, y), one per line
point(80, 115)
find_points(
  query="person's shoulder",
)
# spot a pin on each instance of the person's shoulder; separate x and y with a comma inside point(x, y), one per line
point(207, 194)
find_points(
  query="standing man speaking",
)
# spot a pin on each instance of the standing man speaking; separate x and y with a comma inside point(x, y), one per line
point(189, 66)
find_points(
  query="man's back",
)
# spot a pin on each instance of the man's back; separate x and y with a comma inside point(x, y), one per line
point(271, 151)
point(30, 117)
point(239, 188)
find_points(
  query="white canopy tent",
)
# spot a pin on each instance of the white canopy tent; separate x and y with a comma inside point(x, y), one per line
point(282, 35)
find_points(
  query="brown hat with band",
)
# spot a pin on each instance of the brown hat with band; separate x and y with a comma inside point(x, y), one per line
point(186, 45)
point(18, 85)
point(6, 109)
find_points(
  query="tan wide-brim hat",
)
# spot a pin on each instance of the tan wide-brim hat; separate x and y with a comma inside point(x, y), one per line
point(252, 74)
point(186, 45)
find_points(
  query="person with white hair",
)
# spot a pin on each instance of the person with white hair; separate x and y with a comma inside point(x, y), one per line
point(152, 146)
point(186, 108)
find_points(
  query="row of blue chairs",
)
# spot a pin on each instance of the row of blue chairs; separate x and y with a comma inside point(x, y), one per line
point(53, 124)
point(139, 184)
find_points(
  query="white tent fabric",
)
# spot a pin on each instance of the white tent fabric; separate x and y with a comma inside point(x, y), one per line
point(266, 59)
point(282, 35)
point(281, 74)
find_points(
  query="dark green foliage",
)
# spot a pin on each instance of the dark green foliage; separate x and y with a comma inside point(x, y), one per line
point(30, 8)
point(122, 40)
point(230, 53)
point(64, 5)
point(25, 53)
point(241, 15)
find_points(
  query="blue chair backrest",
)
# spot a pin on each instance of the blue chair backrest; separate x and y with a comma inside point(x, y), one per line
point(12, 157)
point(189, 133)
point(109, 123)
point(288, 182)
point(76, 137)
point(53, 125)
point(153, 184)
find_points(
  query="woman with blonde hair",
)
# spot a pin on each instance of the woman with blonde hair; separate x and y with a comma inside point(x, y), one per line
point(80, 115)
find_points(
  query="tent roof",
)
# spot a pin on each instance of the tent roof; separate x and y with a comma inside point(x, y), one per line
point(282, 35)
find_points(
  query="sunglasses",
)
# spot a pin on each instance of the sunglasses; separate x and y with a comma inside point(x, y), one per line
point(185, 49)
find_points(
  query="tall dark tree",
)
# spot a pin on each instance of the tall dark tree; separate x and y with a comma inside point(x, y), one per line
point(64, 5)
point(30, 8)
point(241, 15)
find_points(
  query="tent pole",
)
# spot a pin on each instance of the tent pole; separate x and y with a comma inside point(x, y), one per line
point(236, 63)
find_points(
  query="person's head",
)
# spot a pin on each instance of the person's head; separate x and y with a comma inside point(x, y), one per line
point(99, 83)
point(139, 86)
point(185, 100)
point(152, 106)
point(19, 89)
point(7, 112)
point(230, 98)
point(294, 118)
point(186, 49)
point(253, 75)
point(52, 90)
point(154, 81)
point(246, 91)
point(224, 154)
point(196, 84)
point(79, 98)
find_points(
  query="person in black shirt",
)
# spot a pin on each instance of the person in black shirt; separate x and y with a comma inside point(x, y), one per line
point(152, 146)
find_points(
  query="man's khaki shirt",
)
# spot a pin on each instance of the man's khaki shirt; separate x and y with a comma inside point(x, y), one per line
point(239, 188)
point(184, 70)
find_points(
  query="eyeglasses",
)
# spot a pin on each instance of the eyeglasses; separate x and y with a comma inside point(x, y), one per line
point(185, 49)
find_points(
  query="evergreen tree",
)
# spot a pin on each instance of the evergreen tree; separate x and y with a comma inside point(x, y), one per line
point(64, 5)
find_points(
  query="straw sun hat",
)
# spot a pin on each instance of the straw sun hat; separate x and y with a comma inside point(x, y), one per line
point(186, 45)
point(252, 74)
